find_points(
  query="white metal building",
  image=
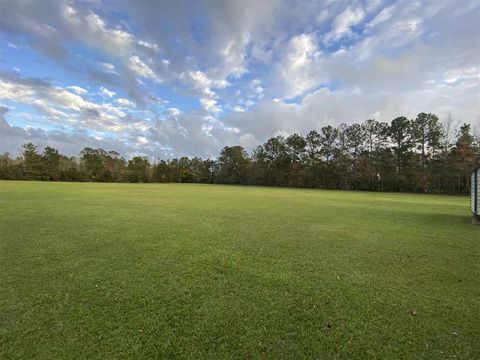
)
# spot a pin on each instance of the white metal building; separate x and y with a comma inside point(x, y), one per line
point(475, 192)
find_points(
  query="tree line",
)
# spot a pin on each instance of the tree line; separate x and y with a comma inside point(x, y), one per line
point(405, 155)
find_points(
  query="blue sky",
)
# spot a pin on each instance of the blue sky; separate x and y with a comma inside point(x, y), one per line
point(164, 78)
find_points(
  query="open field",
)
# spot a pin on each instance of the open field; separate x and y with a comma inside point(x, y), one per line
point(107, 271)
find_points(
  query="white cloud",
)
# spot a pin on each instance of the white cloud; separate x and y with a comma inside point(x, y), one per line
point(124, 102)
point(238, 109)
point(61, 105)
point(107, 93)
point(234, 56)
point(92, 30)
point(323, 16)
point(148, 45)
point(337, 61)
point(384, 15)
point(109, 68)
point(324, 107)
point(140, 68)
point(77, 90)
point(143, 140)
point(343, 23)
point(210, 105)
point(173, 111)
point(300, 67)
point(199, 82)
point(46, 108)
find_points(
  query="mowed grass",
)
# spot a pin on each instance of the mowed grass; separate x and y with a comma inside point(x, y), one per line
point(124, 271)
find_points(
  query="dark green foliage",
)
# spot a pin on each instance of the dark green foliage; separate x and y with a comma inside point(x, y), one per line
point(417, 155)
point(100, 165)
point(51, 163)
point(138, 169)
point(233, 165)
point(33, 166)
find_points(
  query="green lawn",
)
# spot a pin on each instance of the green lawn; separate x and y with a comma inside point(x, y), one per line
point(110, 271)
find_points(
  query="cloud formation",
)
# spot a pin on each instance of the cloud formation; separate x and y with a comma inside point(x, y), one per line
point(187, 78)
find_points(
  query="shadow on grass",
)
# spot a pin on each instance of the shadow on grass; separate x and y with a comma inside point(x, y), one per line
point(448, 219)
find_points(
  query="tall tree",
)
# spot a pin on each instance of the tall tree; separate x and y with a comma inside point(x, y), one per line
point(401, 156)
point(51, 159)
point(233, 165)
point(464, 153)
point(426, 134)
point(328, 137)
point(313, 146)
point(296, 152)
point(138, 169)
point(92, 162)
point(400, 134)
point(32, 162)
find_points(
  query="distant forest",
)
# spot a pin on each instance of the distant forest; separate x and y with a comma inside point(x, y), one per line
point(420, 155)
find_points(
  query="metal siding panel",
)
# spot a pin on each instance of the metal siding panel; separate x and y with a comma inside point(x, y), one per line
point(477, 191)
point(472, 192)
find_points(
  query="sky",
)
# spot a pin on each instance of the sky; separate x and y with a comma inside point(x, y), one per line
point(186, 78)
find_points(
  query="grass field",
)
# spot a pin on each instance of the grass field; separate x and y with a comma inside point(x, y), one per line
point(110, 271)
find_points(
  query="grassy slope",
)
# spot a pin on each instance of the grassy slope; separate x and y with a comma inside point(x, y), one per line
point(123, 270)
